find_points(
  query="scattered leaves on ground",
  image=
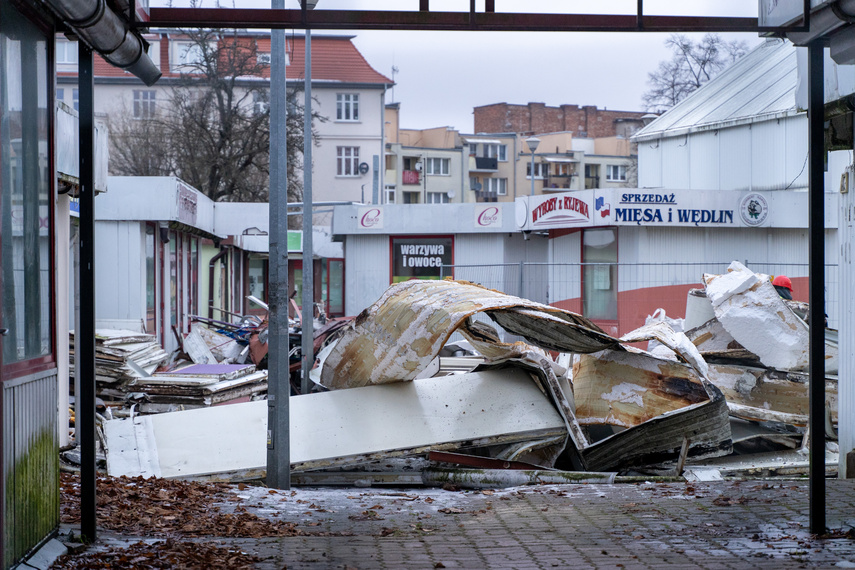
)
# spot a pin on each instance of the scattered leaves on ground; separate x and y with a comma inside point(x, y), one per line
point(162, 554)
point(166, 507)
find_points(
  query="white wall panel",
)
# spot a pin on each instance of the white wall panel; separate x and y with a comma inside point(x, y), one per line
point(795, 132)
point(120, 273)
point(650, 164)
point(704, 160)
point(768, 156)
point(735, 154)
point(366, 271)
point(675, 162)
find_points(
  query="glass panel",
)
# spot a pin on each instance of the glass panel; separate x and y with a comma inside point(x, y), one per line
point(336, 287)
point(150, 281)
point(173, 279)
point(25, 220)
point(600, 278)
point(256, 279)
point(194, 276)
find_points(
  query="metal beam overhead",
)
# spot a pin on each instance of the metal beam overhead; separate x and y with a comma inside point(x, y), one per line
point(427, 20)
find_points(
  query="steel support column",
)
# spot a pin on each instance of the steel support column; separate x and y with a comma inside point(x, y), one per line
point(816, 264)
point(85, 333)
point(279, 384)
point(308, 330)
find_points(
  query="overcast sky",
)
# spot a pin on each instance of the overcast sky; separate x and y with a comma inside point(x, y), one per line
point(442, 76)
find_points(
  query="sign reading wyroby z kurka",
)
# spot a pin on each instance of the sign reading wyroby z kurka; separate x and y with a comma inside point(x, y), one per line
point(638, 207)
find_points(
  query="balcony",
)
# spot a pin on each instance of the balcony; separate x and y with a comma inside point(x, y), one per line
point(484, 164)
point(558, 182)
point(410, 177)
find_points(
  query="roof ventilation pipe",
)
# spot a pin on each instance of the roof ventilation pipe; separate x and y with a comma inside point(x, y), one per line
point(101, 28)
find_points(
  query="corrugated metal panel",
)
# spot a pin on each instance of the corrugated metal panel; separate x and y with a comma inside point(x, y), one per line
point(649, 164)
point(761, 83)
point(796, 135)
point(120, 248)
point(675, 162)
point(846, 390)
point(30, 463)
point(735, 155)
point(367, 271)
point(704, 161)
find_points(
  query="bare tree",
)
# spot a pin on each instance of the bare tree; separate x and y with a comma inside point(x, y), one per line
point(691, 65)
point(214, 130)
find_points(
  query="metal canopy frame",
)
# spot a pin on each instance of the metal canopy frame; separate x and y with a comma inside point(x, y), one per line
point(425, 19)
point(490, 20)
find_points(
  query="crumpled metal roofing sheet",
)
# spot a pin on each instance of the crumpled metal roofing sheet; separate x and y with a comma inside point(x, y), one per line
point(399, 335)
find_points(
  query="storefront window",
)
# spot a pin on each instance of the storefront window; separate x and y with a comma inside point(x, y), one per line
point(336, 288)
point(599, 254)
point(420, 257)
point(255, 268)
point(194, 276)
point(25, 219)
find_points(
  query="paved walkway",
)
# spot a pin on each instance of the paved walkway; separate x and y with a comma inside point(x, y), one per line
point(751, 524)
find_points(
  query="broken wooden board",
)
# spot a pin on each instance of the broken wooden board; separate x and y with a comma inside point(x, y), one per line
point(400, 334)
point(337, 428)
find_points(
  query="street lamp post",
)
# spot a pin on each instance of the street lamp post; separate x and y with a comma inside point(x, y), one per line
point(532, 143)
point(307, 333)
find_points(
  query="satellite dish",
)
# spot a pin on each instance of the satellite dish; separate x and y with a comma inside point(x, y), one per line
point(450, 193)
point(363, 168)
point(477, 186)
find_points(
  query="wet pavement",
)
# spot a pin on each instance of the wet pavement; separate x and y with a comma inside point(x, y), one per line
point(745, 524)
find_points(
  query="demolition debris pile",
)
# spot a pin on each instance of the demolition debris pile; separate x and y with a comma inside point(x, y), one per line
point(121, 357)
point(602, 407)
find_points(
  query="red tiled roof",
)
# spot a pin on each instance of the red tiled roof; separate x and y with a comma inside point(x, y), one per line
point(334, 58)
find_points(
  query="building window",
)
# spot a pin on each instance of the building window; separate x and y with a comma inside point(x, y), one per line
point(75, 95)
point(263, 58)
point(421, 257)
point(66, 52)
point(390, 194)
point(437, 166)
point(25, 210)
point(498, 186)
point(437, 198)
point(541, 169)
point(599, 276)
point(60, 93)
point(260, 104)
point(347, 107)
point(144, 101)
point(498, 151)
point(473, 148)
point(616, 173)
point(187, 54)
point(347, 161)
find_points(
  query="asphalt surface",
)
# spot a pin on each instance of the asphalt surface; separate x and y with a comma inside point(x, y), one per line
point(745, 524)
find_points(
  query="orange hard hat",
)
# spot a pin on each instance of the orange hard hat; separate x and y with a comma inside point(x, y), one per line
point(783, 281)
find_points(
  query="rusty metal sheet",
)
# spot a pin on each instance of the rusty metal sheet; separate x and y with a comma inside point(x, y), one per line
point(761, 394)
point(627, 389)
point(400, 334)
point(662, 404)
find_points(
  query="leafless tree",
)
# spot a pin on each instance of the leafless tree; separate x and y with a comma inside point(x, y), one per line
point(691, 65)
point(214, 130)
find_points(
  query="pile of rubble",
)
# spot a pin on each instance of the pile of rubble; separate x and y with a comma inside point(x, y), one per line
point(601, 406)
point(121, 356)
